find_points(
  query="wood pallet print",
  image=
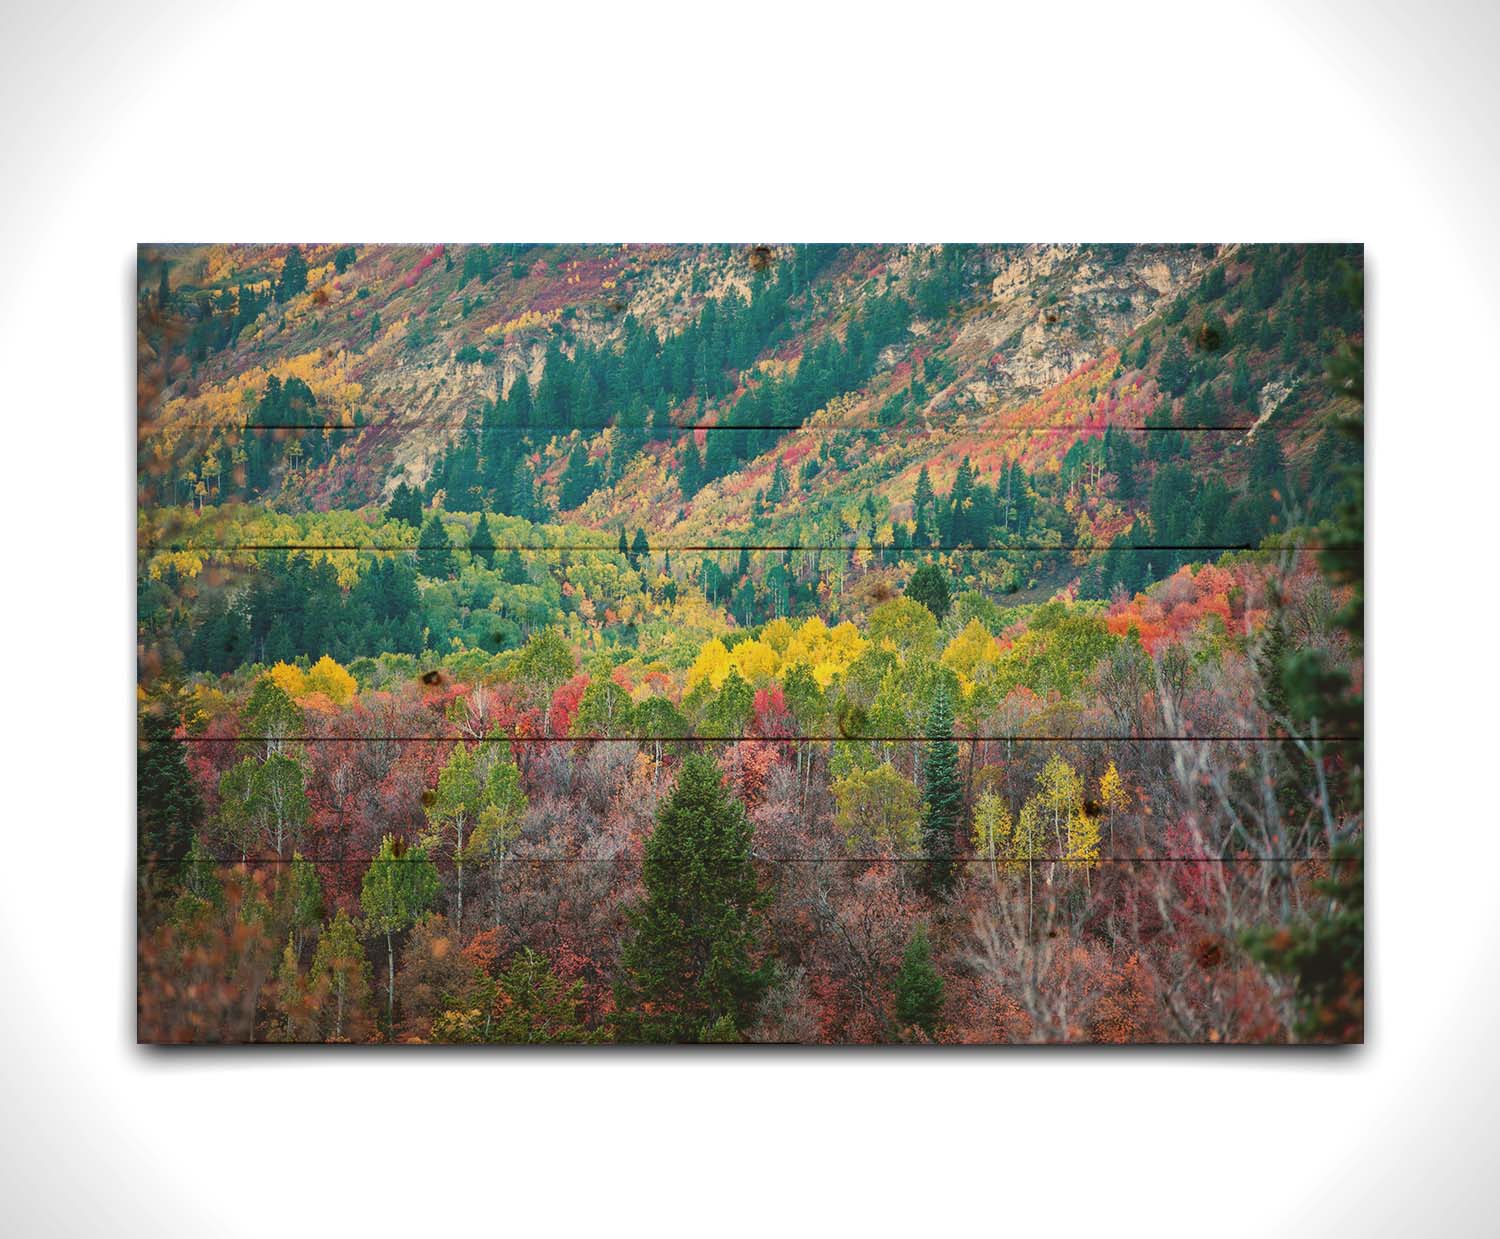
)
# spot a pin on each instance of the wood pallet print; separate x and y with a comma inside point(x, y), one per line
point(754, 644)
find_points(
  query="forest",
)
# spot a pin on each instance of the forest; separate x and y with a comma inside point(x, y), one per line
point(755, 644)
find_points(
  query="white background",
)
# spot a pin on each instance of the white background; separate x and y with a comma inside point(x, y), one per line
point(1205, 121)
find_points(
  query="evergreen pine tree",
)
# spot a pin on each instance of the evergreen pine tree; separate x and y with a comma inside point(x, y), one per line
point(923, 497)
point(689, 965)
point(919, 986)
point(434, 550)
point(293, 275)
point(1172, 373)
point(482, 545)
point(578, 480)
point(523, 491)
point(690, 475)
point(942, 792)
point(515, 569)
point(1240, 389)
point(168, 808)
point(929, 586)
point(405, 505)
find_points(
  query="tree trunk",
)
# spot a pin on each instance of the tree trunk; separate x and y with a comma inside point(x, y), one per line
point(390, 988)
point(1030, 871)
point(458, 851)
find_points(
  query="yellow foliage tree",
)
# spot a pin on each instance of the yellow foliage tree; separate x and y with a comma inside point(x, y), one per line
point(756, 662)
point(1061, 793)
point(328, 677)
point(1026, 848)
point(778, 634)
point(992, 829)
point(972, 648)
point(1083, 842)
point(289, 679)
point(712, 664)
point(1114, 798)
point(879, 808)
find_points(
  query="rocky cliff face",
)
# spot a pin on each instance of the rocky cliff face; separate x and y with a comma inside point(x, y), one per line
point(1052, 308)
point(411, 342)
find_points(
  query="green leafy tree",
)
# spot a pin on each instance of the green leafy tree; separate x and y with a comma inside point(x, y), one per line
point(398, 887)
point(499, 825)
point(529, 1004)
point(545, 663)
point(878, 808)
point(662, 723)
point(454, 807)
point(301, 898)
point(605, 708)
point(341, 971)
point(280, 791)
point(690, 961)
point(729, 714)
point(992, 828)
point(235, 826)
point(270, 717)
point(919, 986)
point(1028, 846)
point(263, 801)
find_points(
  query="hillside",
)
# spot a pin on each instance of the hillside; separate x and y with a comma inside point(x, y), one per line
point(979, 624)
point(1016, 359)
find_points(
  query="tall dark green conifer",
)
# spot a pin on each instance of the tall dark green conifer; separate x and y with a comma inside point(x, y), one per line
point(578, 480)
point(942, 792)
point(168, 808)
point(689, 971)
point(515, 569)
point(523, 491)
point(293, 275)
point(923, 497)
point(929, 586)
point(434, 550)
point(483, 543)
point(919, 986)
point(405, 505)
point(690, 474)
